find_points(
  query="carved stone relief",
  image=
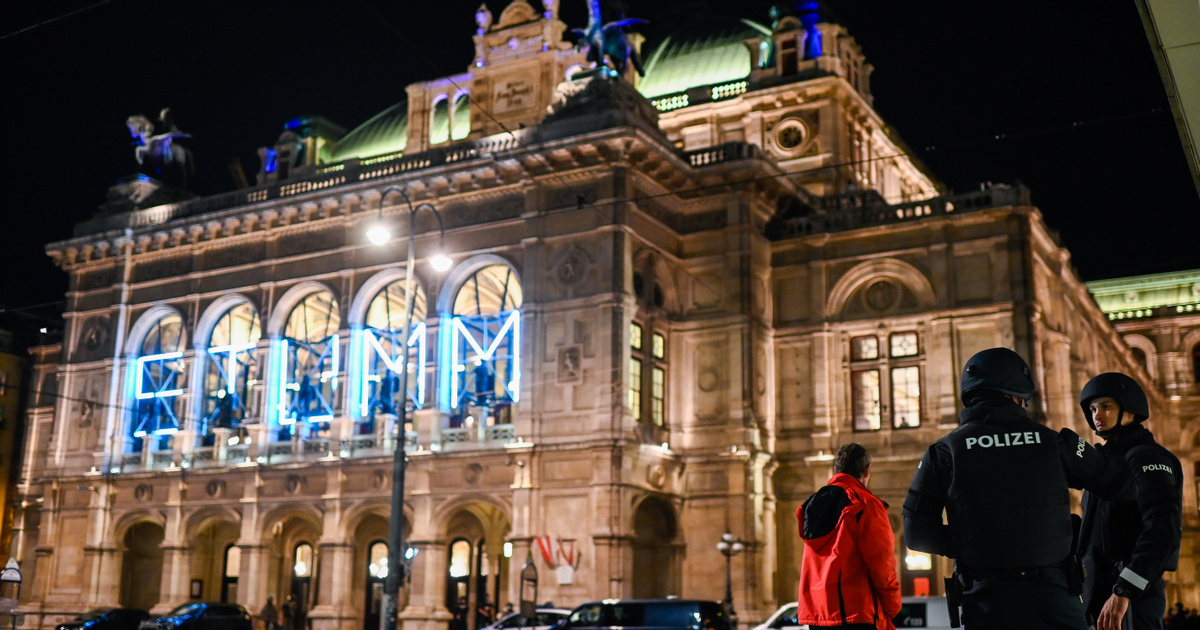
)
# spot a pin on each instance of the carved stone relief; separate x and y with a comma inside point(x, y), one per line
point(569, 364)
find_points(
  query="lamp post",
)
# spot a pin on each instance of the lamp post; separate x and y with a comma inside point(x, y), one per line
point(378, 234)
point(729, 548)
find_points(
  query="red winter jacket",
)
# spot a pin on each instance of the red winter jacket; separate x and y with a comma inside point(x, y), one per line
point(848, 573)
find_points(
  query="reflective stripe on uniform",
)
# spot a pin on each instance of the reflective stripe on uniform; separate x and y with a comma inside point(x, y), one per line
point(1136, 580)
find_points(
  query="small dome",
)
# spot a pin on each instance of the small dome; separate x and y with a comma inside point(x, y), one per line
point(385, 132)
point(704, 52)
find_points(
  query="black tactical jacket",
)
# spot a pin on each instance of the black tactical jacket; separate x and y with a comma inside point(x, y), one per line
point(1129, 543)
point(1002, 479)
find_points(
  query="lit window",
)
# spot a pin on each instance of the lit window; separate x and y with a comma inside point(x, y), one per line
point(460, 559)
point(484, 370)
point(158, 378)
point(866, 400)
point(310, 366)
point(383, 350)
point(658, 387)
point(635, 388)
point(635, 336)
point(864, 348)
point(659, 346)
point(231, 376)
point(906, 397)
point(303, 565)
point(904, 344)
point(889, 384)
point(461, 117)
point(439, 124)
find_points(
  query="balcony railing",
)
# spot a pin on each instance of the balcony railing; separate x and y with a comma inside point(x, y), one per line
point(867, 209)
point(357, 447)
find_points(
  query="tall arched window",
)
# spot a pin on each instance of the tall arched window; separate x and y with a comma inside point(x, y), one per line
point(231, 376)
point(233, 567)
point(1196, 363)
point(461, 117)
point(485, 345)
point(384, 342)
point(439, 121)
point(311, 364)
point(158, 384)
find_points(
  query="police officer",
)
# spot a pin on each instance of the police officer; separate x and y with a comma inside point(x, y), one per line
point(1002, 480)
point(1128, 544)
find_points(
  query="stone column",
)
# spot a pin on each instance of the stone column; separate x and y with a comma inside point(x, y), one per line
point(176, 578)
point(334, 608)
point(426, 608)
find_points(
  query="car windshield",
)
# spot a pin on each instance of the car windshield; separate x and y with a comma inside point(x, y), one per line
point(95, 614)
point(185, 609)
point(544, 618)
point(787, 617)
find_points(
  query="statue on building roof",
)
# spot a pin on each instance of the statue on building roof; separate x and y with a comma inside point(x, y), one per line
point(607, 43)
point(156, 151)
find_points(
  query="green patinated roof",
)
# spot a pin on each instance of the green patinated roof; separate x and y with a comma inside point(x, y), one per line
point(705, 52)
point(386, 132)
point(1138, 296)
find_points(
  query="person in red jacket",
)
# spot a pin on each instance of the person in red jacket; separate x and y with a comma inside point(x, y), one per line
point(848, 573)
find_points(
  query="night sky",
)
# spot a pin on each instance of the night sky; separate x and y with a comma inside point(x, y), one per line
point(1062, 96)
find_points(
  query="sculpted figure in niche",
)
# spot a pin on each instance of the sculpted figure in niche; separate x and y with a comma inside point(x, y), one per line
point(157, 154)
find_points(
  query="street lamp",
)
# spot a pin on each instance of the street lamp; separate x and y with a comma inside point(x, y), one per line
point(379, 235)
point(729, 548)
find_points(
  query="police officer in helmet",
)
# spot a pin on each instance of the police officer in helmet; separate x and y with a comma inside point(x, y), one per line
point(1003, 482)
point(1127, 544)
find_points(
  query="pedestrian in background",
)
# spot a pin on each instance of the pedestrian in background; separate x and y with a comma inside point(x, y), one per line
point(269, 614)
point(848, 572)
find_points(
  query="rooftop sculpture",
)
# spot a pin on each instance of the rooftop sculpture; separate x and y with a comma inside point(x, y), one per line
point(157, 154)
point(607, 43)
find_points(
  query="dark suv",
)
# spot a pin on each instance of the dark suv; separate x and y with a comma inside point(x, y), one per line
point(202, 616)
point(106, 619)
point(648, 614)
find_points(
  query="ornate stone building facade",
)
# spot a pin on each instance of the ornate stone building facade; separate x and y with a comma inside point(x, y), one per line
point(666, 311)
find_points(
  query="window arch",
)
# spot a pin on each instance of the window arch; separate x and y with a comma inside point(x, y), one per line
point(484, 366)
point(1196, 363)
point(158, 383)
point(439, 121)
point(460, 117)
point(231, 370)
point(310, 365)
point(383, 343)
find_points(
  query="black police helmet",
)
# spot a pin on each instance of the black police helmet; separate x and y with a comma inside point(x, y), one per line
point(1000, 370)
point(1119, 387)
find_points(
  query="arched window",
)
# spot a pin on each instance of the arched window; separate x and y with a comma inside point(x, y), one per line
point(439, 121)
point(485, 346)
point(233, 567)
point(383, 344)
point(158, 385)
point(461, 117)
point(311, 365)
point(1139, 355)
point(1196, 363)
point(231, 376)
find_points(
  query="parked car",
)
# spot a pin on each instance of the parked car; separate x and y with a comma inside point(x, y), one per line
point(106, 619)
point(915, 612)
point(202, 616)
point(546, 617)
point(660, 614)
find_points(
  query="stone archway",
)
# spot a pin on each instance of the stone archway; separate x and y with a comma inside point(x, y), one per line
point(476, 567)
point(142, 566)
point(210, 545)
point(655, 566)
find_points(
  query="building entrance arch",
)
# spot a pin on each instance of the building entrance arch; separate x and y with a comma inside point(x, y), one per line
point(141, 566)
point(476, 580)
point(655, 562)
